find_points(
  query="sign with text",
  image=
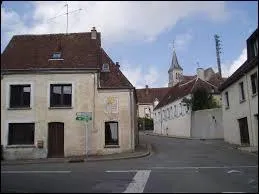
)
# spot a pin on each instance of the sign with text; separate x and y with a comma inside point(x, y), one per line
point(84, 116)
point(111, 104)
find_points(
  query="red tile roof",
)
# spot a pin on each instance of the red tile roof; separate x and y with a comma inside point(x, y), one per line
point(180, 90)
point(148, 95)
point(79, 51)
point(34, 51)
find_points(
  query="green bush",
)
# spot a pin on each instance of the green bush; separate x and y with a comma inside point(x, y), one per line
point(200, 100)
point(145, 124)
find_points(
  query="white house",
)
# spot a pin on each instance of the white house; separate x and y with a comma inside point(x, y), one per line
point(240, 94)
point(48, 83)
point(172, 117)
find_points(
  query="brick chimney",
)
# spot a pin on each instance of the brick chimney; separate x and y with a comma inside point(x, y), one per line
point(93, 33)
point(200, 73)
point(146, 91)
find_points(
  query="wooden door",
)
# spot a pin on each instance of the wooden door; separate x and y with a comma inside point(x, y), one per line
point(56, 140)
point(244, 134)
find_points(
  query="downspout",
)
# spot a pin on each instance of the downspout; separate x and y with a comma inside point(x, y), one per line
point(161, 120)
point(249, 112)
point(131, 120)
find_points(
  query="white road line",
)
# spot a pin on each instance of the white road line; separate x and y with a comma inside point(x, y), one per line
point(122, 170)
point(28, 172)
point(138, 183)
point(202, 167)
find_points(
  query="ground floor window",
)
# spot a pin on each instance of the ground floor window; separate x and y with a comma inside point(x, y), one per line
point(21, 133)
point(111, 133)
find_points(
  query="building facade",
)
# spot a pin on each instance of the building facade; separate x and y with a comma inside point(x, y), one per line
point(240, 94)
point(61, 96)
point(173, 117)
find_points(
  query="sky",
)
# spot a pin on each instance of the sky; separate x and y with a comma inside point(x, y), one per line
point(139, 35)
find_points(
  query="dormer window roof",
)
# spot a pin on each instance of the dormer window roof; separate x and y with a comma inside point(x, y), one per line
point(105, 67)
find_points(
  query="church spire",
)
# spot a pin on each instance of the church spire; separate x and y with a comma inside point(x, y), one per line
point(174, 63)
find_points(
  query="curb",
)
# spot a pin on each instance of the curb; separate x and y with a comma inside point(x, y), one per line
point(148, 152)
point(189, 138)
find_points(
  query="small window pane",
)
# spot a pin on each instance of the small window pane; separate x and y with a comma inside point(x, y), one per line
point(56, 55)
point(67, 90)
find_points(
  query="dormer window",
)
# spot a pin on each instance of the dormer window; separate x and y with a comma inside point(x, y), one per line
point(56, 55)
point(105, 67)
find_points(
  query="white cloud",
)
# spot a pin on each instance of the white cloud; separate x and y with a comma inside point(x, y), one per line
point(118, 21)
point(140, 76)
point(229, 68)
point(182, 40)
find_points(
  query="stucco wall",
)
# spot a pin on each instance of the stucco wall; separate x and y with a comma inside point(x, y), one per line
point(238, 110)
point(176, 123)
point(207, 124)
point(85, 98)
point(141, 110)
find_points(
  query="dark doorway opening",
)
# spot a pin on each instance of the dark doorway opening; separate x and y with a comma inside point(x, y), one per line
point(244, 134)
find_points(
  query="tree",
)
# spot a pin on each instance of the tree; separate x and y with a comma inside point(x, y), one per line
point(200, 100)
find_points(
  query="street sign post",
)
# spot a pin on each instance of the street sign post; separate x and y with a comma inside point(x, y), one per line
point(84, 116)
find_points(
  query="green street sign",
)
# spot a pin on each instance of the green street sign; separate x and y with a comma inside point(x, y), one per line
point(83, 116)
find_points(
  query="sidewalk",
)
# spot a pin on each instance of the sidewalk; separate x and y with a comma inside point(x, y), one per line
point(140, 151)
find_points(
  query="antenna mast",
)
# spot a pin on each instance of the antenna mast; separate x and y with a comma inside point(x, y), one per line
point(218, 51)
point(67, 17)
point(65, 14)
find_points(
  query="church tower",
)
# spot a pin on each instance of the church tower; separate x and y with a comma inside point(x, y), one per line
point(175, 71)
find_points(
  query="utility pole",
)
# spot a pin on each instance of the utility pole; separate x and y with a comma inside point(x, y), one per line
point(218, 51)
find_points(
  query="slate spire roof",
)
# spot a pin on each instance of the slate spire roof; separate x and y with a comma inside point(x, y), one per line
point(174, 63)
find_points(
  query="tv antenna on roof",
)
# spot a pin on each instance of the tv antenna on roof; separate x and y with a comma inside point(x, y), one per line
point(66, 14)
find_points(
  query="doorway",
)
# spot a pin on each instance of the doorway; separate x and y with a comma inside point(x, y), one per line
point(244, 134)
point(55, 140)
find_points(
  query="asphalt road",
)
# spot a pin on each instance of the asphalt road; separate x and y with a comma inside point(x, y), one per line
point(176, 165)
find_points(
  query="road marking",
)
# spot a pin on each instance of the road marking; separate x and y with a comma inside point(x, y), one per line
point(231, 171)
point(25, 172)
point(203, 167)
point(139, 181)
point(122, 170)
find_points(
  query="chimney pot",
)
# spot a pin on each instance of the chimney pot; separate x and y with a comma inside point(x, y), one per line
point(93, 33)
point(117, 65)
point(146, 90)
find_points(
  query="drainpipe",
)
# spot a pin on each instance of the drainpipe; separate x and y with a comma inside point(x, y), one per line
point(131, 120)
point(161, 120)
point(249, 112)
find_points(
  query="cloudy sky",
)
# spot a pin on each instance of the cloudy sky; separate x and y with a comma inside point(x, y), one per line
point(140, 34)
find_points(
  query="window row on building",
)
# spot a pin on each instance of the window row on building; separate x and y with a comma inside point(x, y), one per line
point(242, 89)
point(171, 112)
point(60, 95)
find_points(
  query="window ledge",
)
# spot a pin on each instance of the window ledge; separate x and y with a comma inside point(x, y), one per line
point(255, 94)
point(63, 107)
point(20, 146)
point(111, 146)
point(241, 101)
point(22, 108)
